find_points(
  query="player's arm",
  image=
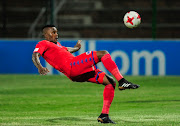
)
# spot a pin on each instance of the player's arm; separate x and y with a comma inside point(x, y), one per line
point(35, 58)
point(76, 47)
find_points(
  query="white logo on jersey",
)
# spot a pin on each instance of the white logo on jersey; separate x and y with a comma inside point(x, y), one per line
point(89, 52)
point(36, 49)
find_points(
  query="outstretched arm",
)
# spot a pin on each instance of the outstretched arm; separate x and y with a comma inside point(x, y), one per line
point(76, 47)
point(35, 58)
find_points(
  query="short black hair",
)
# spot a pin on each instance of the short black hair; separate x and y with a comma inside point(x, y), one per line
point(46, 26)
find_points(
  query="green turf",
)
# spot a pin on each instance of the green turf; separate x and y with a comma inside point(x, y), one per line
point(55, 100)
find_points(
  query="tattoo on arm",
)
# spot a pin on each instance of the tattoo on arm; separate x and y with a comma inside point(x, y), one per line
point(36, 61)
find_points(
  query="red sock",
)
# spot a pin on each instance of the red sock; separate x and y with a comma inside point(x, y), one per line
point(111, 66)
point(108, 96)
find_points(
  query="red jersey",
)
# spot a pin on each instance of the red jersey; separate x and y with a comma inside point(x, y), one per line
point(56, 55)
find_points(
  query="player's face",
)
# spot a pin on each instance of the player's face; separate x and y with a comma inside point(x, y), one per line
point(52, 34)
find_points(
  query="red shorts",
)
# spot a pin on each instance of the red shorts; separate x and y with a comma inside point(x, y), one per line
point(98, 77)
point(83, 68)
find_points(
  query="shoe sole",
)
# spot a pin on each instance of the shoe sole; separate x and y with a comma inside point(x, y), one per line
point(100, 120)
point(121, 88)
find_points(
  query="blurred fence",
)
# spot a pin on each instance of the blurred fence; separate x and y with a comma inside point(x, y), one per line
point(133, 57)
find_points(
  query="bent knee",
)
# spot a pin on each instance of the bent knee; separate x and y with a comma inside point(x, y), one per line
point(104, 52)
point(100, 54)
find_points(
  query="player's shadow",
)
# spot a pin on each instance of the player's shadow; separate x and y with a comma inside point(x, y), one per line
point(56, 120)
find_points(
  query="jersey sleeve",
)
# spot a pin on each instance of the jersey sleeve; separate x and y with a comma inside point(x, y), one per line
point(40, 48)
point(65, 48)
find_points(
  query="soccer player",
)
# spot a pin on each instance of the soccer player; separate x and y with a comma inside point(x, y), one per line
point(81, 68)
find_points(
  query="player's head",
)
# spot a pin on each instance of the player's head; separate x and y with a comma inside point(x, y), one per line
point(50, 33)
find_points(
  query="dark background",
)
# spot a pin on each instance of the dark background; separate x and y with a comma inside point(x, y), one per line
point(90, 18)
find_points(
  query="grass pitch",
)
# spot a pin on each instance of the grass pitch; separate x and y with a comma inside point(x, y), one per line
point(55, 100)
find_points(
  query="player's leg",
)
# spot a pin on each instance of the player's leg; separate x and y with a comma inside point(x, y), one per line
point(108, 94)
point(111, 66)
point(100, 77)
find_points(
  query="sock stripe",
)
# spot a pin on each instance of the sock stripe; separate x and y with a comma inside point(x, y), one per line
point(98, 77)
point(94, 60)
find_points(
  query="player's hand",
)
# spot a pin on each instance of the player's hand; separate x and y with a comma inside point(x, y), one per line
point(43, 70)
point(78, 44)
